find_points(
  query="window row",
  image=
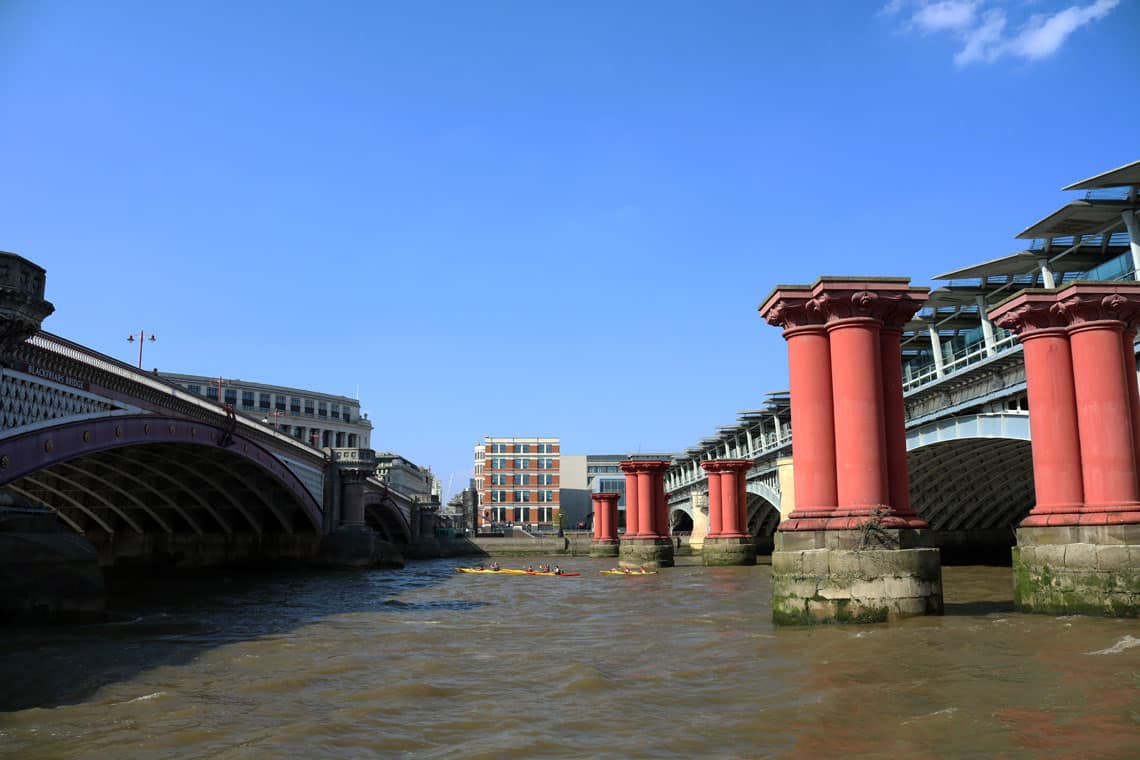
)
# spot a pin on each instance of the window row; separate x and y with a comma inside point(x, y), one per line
point(522, 514)
point(267, 401)
point(521, 479)
point(522, 448)
point(499, 496)
point(502, 463)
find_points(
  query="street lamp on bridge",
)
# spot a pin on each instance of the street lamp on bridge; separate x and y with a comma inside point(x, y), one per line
point(143, 337)
point(276, 415)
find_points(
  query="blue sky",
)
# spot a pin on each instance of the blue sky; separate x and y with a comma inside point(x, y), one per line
point(529, 218)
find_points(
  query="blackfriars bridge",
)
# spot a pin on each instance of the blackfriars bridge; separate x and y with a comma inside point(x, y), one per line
point(147, 471)
point(150, 473)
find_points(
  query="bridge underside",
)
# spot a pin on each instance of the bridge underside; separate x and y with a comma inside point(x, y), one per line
point(973, 492)
point(174, 503)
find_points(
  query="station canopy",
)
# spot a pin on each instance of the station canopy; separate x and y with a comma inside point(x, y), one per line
point(1071, 241)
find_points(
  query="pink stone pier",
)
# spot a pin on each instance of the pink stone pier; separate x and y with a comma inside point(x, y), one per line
point(605, 542)
point(646, 541)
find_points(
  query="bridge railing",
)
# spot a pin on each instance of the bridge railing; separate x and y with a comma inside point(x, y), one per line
point(959, 360)
point(768, 443)
point(83, 355)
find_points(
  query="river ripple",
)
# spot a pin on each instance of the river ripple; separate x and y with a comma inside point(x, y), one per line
point(429, 663)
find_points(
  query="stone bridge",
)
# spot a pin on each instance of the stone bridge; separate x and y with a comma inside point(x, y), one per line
point(148, 472)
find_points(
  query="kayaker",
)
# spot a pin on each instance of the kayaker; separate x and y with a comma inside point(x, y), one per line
point(480, 566)
point(529, 569)
point(557, 570)
point(494, 565)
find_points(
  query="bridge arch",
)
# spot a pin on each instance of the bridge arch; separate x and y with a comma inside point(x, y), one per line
point(384, 516)
point(143, 473)
point(763, 509)
point(972, 473)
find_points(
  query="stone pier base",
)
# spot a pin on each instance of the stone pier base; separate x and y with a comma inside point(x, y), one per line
point(827, 577)
point(351, 548)
point(606, 548)
point(717, 552)
point(1079, 569)
point(647, 552)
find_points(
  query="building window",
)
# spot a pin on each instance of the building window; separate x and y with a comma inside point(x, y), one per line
point(309, 407)
point(521, 448)
point(279, 403)
point(545, 479)
point(263, 402)
point(545, 514)
point(522, 496)
point(195, 389)
point(547, 496)
point(212, 392)
point(522, 514)
point(352, 440)
point(326, 437)
point(335, 412)
point(247, 399)
point(295, 406)
point(522, 464)
point(322, 409)
point(499, 514)
point(522, 479)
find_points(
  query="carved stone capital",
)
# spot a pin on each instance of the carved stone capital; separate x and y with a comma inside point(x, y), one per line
point(790, 307)
point(1081, 308)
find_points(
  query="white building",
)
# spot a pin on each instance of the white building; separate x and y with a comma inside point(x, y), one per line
point(321, 420)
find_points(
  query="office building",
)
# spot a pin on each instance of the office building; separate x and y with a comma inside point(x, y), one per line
point(321, 420)
point(518, 482)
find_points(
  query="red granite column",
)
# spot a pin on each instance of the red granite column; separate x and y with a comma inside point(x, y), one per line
point(813, 414)
point(732, 477)
point(661, 508)
point(1129, 351)
point(1056, 444)
point(605, 516)
point(632, 525)
point(1104, 409)
point(713, 470)
point(647, 502)
point(894, 413)
point(860, 438)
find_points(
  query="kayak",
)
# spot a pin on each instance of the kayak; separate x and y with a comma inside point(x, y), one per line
point(489, 571)
point(631, 572)
point(509, 571)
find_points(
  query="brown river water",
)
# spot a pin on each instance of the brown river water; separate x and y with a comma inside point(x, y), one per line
point(428, 663)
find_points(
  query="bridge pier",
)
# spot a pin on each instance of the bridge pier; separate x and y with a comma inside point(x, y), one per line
point(605, 542)
point(1078, 551)
point(647, 543)
point(727, 543)
point(352, 544)
point(852, 549)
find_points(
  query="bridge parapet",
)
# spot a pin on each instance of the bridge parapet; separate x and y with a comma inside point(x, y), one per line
point(22, 305)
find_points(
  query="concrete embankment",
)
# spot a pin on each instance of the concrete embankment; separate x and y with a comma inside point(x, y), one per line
point(567, 546)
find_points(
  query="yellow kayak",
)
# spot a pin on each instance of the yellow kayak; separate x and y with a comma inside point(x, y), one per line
point(489, 571)
point(510, 571)
point(631, 572)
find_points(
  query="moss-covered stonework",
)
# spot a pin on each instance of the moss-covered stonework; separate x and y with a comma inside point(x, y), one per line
point(826, 585)
point(1056, 575)
point(719, 552)
point(646, 552)
point(604, 548)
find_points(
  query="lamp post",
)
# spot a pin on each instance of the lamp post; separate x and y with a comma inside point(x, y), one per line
point(276, 415)
point(143, 337)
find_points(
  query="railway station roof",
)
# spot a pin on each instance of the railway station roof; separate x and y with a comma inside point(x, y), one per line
point(1086, 217)
point(1122, 176)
